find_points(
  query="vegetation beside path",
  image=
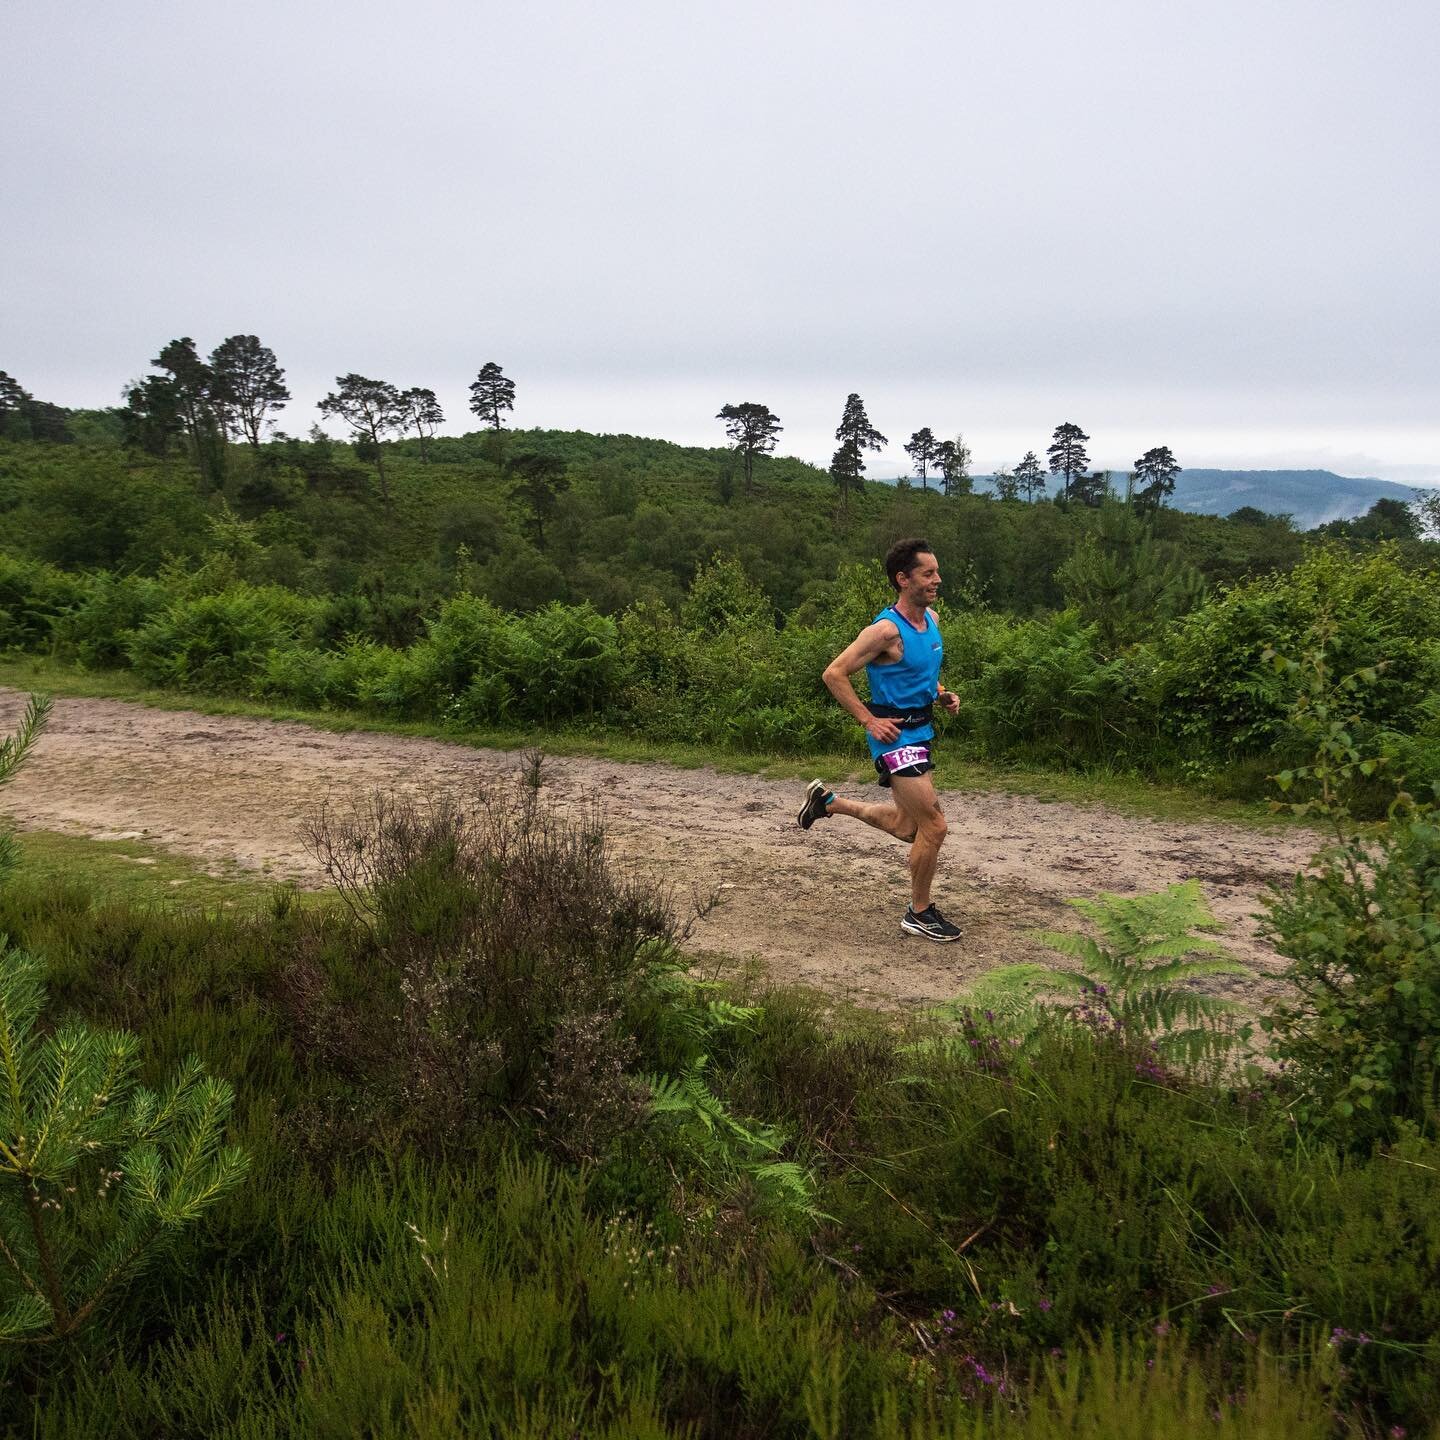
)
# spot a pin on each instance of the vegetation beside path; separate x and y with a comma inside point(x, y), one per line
point(1124, 793)
point(512, 1175)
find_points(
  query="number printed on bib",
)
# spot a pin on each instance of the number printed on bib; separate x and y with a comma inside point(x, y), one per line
point(905, 757)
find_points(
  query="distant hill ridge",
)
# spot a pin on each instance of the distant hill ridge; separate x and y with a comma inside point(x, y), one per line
point(1311, 497)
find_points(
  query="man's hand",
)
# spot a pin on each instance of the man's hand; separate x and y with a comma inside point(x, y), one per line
point(884, 731)
point(950, 700)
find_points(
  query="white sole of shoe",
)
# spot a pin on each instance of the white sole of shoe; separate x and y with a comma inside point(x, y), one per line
point(925, 934)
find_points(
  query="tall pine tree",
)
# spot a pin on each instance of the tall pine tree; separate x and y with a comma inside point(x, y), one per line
point(371, 408)
point(1155, 474)
point(856, 435)
point(753, 430)
point(247, 386)
point(1067, 454)
point(923, 450)
point(491, 394)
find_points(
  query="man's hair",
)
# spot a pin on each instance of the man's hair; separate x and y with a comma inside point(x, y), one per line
point(901, 556)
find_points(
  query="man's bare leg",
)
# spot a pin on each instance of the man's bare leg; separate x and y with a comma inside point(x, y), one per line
point(889, 817)
point(917, 803)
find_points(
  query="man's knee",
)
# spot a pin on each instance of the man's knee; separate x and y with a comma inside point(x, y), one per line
point(931, 827)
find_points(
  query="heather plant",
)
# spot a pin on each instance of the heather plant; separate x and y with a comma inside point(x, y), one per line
point(507, 947)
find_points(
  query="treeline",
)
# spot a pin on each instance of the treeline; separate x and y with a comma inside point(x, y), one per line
point(239, 391)
point(524, 518)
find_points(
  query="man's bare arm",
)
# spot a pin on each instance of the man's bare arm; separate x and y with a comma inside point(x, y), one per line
point(872, 642)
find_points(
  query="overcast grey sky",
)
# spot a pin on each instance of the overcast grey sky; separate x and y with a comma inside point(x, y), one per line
point(1209, 226)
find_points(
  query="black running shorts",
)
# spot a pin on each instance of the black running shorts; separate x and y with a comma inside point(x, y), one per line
point(906, 761)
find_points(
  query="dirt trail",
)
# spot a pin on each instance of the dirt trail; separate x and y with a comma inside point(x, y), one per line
point(818, 907)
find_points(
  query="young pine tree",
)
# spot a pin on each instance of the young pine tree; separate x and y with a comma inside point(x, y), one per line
point(96, 1172)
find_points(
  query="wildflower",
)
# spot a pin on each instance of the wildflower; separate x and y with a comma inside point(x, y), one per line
point(1043, 1303)
point(1162, 1328)
point(1214, 1289)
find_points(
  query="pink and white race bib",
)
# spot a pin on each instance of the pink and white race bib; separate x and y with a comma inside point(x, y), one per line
point(905, 757)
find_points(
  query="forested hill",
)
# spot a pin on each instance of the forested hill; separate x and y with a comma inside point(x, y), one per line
point(1309, 497)
point(526, 517)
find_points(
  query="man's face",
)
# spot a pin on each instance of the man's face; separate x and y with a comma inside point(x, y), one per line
point(921, 582)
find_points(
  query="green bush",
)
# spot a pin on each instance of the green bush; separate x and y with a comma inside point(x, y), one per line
point(217, 642)
point(97, 631)
point(1042, 691)
point(1362, 934)
point(33, 597)
point(1212, 684)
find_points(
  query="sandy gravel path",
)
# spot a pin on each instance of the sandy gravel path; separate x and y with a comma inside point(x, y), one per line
point(820, 908)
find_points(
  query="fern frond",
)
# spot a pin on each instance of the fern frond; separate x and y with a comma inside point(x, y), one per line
point(1179, 971)
point(1071, 942)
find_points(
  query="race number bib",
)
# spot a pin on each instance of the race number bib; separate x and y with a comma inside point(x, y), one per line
point(905, 757)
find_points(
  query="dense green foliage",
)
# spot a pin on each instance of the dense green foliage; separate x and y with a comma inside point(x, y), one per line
point(960, 1213)
point(545, 578)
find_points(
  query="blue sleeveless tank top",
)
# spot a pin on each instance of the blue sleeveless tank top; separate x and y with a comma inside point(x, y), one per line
point(910, 682)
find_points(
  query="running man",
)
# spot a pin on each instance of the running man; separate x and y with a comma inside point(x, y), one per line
point(900, 652)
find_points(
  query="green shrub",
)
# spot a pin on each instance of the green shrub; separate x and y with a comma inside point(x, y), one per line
point(1362, 934)
point(97, 631)
point(33, 598)
point(507, 950)
point(302, 675)
point(219, 641)
point(565, 662)
point(1211, 680)
point(1043, 691)
point(468, 636)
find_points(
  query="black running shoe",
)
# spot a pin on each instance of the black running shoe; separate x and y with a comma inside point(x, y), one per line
point(931, 924)
point(818, 796)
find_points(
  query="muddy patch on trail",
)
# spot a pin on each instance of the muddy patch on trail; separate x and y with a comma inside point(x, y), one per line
point(818, 907)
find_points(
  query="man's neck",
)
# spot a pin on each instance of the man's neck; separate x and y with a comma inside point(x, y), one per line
point(912, 610)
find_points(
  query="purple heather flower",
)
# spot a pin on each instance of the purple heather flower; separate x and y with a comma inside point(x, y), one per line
point(1044, 1303)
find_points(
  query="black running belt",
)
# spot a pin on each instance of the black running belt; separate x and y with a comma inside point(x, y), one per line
point(917, 715)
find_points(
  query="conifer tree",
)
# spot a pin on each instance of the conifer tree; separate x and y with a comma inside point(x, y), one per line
point(541, 480)
point(491, 394)
point(753, 429)
point(248, 385)
point(1067, 454)
point(420, 411)
point(1155, 474)
point(95, 1170)
point(371, 408)
point(1030, 477)
point(954, 459)
point(193, 385)
point(923, 449)
point(856, 435)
